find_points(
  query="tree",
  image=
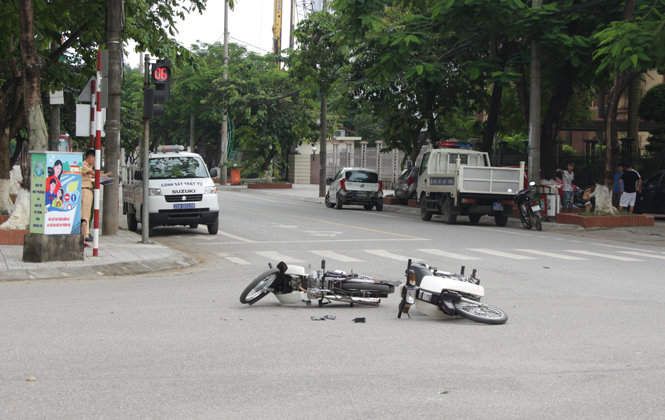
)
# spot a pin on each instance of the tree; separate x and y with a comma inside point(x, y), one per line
point(316, 64)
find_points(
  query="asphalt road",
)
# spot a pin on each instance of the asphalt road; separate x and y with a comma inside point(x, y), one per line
point(584, 337)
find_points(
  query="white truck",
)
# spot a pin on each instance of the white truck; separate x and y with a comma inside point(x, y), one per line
point(182, 192)
point(456, 182)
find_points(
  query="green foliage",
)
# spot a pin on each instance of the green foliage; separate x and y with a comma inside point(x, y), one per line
point(652, 105)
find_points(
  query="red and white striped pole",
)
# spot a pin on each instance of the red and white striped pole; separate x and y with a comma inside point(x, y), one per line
point(98, 157)
point(93, 90)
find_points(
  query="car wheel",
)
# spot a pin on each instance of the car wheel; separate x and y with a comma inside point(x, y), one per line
point(338, 204)
point(327, 200)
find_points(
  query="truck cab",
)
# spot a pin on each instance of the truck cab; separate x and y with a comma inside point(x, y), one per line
point(181, 192)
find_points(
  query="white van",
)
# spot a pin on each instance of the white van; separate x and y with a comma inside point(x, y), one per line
point(182, 192)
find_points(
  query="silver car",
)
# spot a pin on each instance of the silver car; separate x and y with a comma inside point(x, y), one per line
point(355, 186)
point(407, 185)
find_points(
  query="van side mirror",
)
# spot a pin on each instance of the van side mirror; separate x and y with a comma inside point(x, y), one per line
point(213, 173)
point(138, 176)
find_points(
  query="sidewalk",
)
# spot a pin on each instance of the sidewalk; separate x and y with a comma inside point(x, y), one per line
point(118, 255)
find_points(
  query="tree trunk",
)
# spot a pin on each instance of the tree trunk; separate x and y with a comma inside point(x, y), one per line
point(322, 154)
point(551, 126)
point(111, 192)
point(417, 144)
point(492, 119)
point(37, 135)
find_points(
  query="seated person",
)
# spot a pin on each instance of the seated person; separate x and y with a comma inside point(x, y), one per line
point(590, 197)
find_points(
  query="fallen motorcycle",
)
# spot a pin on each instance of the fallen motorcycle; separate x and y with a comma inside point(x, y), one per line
point(291, 284)
point(439, 293)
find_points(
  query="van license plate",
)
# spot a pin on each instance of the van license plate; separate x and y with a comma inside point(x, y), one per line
point(497, 206)
point(183, 206)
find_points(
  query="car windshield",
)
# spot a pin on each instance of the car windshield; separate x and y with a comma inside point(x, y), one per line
point(405, 174)
point(362, 176)
point(177, 167)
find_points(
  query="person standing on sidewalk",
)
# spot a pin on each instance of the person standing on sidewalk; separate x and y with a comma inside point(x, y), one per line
point(631, 183)
point(88, 172)
point(616, 189)
point(567, 176)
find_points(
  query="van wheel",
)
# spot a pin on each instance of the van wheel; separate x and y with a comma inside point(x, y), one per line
point(448, 217)
point(213, 227)
point(132, 224)
point(424, 213)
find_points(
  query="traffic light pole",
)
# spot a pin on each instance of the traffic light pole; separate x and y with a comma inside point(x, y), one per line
point(225, 127)
point(145, 149)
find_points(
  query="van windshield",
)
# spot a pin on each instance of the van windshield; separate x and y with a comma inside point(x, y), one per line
point(177, 167)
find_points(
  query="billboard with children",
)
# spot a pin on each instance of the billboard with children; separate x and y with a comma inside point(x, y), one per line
point(55, 193)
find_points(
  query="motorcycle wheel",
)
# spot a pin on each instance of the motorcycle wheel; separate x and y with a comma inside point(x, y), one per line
point(374, 287)
point(526, 221)
point(256, 289)
point(476, 312)
point(537, 222)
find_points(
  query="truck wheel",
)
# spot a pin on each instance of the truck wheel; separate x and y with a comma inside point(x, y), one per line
point(379, 205)
point(193, 225)
point(367, 206)
point(474, 218)
point(448, 217)
point(213, 227)
point(501, 220)
point(424, 214)
point(132, 224)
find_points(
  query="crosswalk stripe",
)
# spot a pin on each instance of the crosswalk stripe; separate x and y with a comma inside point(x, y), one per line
point(276, 256)
point(551, 254)
point(335, 256)
point(611, 257)
point(232, 259)
point(386, 254)
point(502, 254)
point(640, 254)
point(447, 254)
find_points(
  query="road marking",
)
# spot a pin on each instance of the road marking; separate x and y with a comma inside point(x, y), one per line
point(501, 254)
point(326, 233)
point(386, 254)
point(504, 230)
point(335, 256)
point(447, 254)
point(232, 259)
point(551, 254)
point(322, 240)
point(323, 221)
point(248, 196)
point(624, 247)
point(228, 235)
point(639, 254)
point(279, 225)
point(276, 256)
point(597, 254)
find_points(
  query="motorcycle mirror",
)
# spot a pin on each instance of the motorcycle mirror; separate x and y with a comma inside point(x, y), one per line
point(282, 267)
point(323, 264)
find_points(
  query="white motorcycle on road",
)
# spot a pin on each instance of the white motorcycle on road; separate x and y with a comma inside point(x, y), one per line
point(440, 294)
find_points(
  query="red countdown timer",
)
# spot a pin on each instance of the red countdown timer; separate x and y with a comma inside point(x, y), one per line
point(161, 74)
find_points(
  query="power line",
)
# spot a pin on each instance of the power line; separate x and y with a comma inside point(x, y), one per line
point(250, 45)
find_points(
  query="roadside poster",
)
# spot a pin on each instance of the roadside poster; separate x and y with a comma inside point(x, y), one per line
point(55, 193)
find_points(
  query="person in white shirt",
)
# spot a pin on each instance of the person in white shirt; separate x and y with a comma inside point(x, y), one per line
point(567, 177)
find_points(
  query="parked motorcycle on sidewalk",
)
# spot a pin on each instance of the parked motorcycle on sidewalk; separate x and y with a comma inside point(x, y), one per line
point(292, 284)
point(440, 294)
point(529, 208)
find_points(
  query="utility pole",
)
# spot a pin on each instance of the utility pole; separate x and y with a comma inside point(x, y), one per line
point(112, 128)
point(534, 108)
point(145, 150)
point(322, 154)
point(54, 120)
point(293, 23)
point(225, 75)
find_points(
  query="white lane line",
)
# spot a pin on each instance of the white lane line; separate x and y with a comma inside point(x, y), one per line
point(386, 254)
point(501, 254)
point(640, 254)
point(624, 247)
point(276, 256)
point(335, 256)
point(318, 241)
point(551, 254)
point(232, 259)
point(597, 254)
point(229, 235)
point(440, 253)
